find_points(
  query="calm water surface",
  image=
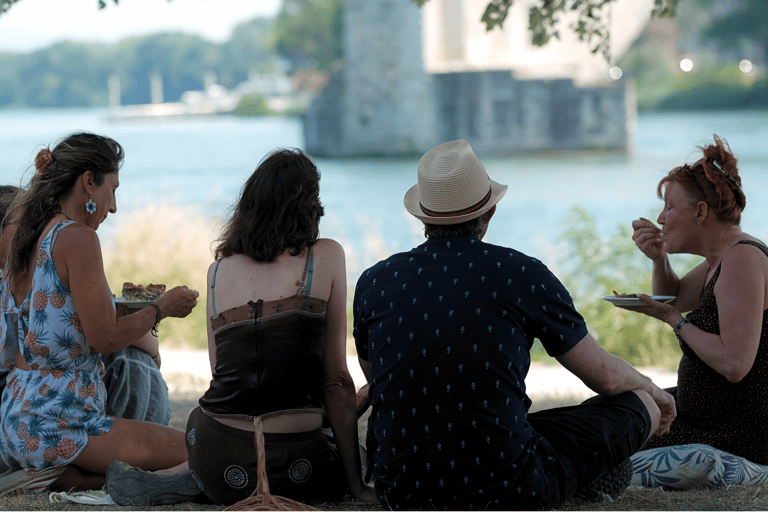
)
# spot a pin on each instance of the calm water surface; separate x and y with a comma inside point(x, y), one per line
point(201, 164)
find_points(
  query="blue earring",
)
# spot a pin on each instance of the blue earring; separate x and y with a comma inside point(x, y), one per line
point(90, 206)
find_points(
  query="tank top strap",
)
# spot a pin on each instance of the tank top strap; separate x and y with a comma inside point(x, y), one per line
point(57, 230)
point(213, 285)
point(759, 245)
point(305, 285)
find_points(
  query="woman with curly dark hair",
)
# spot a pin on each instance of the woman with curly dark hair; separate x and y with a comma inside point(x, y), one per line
point(722, 392)
point(277, 329)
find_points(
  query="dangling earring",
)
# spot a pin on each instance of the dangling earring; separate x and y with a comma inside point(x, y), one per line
point(90, 206)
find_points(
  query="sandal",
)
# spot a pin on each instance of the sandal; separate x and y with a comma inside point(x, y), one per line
point(18, 482)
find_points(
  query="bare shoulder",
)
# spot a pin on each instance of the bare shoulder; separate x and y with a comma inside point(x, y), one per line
point(742, 250)
point(211, 269)
point(743, 256)
point(78, 237)
point(328, 248)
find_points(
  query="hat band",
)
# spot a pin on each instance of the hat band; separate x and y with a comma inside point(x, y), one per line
point(457, 213)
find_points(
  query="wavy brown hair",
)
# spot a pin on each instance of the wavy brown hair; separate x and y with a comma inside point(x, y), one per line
point(706, 181)
point(57, 171)
point(279, 209)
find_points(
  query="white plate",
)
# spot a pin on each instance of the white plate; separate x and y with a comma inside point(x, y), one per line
point(634, 301)
point(133, 304)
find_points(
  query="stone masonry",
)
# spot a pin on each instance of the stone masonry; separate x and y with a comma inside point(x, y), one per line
point(382, 101)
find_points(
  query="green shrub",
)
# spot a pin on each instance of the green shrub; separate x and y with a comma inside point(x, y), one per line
point(593, 267)
point(253, 105)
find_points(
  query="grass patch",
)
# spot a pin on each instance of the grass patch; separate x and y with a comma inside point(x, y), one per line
point(169, 245)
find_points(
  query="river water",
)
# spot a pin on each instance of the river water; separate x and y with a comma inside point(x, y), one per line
point(201, 163)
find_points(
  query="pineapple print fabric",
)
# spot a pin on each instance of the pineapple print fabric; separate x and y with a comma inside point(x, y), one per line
point(48, 412)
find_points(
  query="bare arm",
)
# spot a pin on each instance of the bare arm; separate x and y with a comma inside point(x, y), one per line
point(148, 343)
point(740, 291)
point(647, 237)
point(78, 260)
point(339, 387)
point(664, 279)
point(609, 375)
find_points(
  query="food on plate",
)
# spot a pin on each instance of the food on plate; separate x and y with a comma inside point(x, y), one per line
point(625, 295)
point(138, 293)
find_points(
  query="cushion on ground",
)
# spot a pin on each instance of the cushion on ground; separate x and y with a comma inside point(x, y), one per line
point(694, 465)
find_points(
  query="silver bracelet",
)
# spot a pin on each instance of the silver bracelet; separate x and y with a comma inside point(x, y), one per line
point(679, 325)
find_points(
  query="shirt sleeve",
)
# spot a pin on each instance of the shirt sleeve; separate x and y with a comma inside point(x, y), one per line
point(359, 329)
point(557, 324)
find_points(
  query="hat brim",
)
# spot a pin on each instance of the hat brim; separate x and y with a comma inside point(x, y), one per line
point(412, 205)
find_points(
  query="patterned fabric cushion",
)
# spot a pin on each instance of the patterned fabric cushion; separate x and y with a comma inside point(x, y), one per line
point(694, 465)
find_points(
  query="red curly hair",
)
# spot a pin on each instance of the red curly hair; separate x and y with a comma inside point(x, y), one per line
point(713, 179)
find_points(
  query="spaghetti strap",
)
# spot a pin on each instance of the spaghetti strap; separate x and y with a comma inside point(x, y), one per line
point(759, 245)
point(213, 284)
point(305, 285)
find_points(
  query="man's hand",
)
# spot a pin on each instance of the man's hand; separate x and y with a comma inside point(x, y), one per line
point(666, 403)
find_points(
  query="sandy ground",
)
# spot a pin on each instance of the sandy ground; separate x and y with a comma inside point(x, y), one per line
point(188, 371)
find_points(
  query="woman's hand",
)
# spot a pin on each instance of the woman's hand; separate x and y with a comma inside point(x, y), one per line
point(647, 237)
point(157, 359)
point(653, 308)
point(361, 400)
point(178, 302)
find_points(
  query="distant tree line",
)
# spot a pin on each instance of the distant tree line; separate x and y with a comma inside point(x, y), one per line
point(70, 74)
point(304, 34)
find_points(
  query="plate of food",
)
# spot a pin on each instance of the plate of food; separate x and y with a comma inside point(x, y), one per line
point(631, 299)
point(136, 296)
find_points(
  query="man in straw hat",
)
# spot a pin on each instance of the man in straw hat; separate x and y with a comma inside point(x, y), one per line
point(443, 333)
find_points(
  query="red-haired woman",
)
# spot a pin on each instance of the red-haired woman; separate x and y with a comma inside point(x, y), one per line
point(722, 391)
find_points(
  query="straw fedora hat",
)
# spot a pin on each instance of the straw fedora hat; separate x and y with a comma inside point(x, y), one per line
point(453, 186)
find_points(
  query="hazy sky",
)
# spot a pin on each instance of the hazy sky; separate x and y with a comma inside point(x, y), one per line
point(33, 24)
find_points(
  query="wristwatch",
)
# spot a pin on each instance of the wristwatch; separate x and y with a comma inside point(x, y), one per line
point(679, 326)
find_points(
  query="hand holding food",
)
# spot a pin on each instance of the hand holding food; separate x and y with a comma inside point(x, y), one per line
point(177, 302)
point(647, 237)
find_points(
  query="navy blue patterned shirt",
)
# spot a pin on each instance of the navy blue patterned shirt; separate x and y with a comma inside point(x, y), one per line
point(447, 328)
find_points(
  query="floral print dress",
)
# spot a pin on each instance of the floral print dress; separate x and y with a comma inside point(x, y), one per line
point(47, 413)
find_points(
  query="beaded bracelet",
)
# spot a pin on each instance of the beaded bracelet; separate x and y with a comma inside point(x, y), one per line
point(157, 319)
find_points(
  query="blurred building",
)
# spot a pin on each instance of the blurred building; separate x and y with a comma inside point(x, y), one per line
point(414, 78)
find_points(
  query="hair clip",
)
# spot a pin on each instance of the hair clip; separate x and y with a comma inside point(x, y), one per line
point(727, 174)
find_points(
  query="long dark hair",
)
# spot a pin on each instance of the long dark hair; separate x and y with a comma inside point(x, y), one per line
point(279, 208)
point(56, 174)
